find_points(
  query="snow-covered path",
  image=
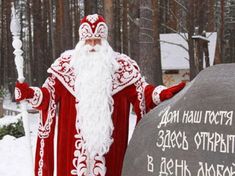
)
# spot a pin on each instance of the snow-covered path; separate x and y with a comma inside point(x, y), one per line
point(13, 158)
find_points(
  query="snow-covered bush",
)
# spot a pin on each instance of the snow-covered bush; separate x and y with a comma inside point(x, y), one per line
point(15, 129)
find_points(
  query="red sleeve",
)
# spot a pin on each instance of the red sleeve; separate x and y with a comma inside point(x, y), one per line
point(42, 96)
point(50, 95)
point(143, 96)
point(140, 96)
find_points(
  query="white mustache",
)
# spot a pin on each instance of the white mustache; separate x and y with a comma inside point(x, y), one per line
point(90, 48)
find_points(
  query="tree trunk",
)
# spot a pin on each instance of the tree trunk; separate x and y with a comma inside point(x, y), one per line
point(173, 15)
point(30, 55)
point(67, 27)
point(51, 29)
point(75, 18)
point(90, 7)
point(147, 62)
point(37, 42)
point(47, 60)
point(134, 18)
point(156, 60)
point(63, 27)
point(190, 27)
point(125, 32)
point(59, 27)
point(228, 31)
point(211, 16)
point(109, 17)
point(9, 57)
point(76, 21)
point(117, 26)
point(1, 45)
point(221, 36)
point(100, 5)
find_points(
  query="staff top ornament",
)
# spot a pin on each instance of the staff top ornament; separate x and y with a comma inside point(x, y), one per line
point(15, 24)
point(93, 26)
point(17, 44)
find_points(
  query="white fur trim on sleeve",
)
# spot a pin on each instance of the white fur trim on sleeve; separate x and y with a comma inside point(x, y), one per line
point(37, 97)
point(18, 93)
point(155, 94)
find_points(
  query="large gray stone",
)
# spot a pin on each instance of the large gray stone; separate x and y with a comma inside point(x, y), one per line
point(191, 134)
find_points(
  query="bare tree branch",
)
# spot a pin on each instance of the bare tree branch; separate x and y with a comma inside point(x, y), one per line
point(146, 19)
point(136, 22)
point(146, 8)
point(186, 36)
point(181, 5)
point(178, 22)
point(147, 35)
point(168, 27)
point(146, 42)
point(176, 18)
point(146, 28)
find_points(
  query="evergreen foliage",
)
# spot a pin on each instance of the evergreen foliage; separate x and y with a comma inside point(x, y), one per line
point(14, 129)
point(2, 92)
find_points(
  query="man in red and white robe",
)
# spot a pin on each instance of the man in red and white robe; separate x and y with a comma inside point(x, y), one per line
point(92, 87)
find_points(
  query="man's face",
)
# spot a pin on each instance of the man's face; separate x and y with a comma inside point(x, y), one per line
point(93, 43)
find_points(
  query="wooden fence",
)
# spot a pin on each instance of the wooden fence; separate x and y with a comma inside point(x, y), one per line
point(13, 112)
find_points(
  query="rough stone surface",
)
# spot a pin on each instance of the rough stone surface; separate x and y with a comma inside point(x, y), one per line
point(192, 134)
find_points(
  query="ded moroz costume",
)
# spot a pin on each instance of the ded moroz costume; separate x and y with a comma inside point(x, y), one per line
point(79, 140)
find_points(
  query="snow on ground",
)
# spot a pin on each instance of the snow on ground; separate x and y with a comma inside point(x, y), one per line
point(13, 151)
point(14, 160)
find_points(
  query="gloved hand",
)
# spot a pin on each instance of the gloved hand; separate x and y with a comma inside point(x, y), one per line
point(171, 91)
point(23, 91)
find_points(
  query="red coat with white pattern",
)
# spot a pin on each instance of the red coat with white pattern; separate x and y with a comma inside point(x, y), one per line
point(60, 147)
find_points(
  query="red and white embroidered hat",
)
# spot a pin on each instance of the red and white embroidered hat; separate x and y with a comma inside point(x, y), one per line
point(93, 26)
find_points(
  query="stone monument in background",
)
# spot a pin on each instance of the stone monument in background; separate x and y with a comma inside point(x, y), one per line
point(192, 134)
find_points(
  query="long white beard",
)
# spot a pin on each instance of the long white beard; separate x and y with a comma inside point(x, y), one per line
point(93, 88)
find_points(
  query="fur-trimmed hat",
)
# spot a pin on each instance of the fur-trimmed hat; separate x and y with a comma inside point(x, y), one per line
point(93, 26)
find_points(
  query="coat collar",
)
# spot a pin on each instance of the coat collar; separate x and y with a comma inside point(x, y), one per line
point(127, 74)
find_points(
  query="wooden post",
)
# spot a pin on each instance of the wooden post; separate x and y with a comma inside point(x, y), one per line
point(206, 50)
point(200, 50)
